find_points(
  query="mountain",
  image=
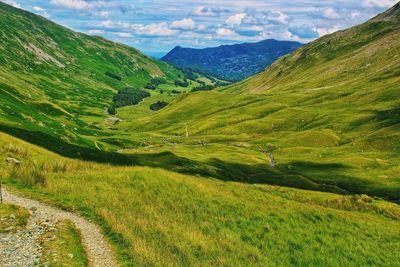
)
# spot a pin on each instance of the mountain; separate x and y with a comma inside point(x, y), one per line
point(58, 83)
point(231, 62)
point(204, 180)
point(363, 57)
point(330, 109)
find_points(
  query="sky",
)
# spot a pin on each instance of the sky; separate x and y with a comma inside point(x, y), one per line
point(157, 26)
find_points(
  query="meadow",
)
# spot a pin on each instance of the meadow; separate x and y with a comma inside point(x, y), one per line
point(158, 217)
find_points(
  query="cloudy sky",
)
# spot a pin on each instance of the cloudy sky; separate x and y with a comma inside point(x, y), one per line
point(156, 26)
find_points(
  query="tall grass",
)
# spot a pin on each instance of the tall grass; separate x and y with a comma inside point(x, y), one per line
point(29, 175)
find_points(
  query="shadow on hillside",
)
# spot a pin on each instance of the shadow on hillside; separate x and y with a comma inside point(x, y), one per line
point(335, 175)
point(294, 174)
point(66, 149)
point(388, 117)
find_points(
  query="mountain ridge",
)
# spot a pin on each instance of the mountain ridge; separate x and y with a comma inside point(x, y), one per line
point(231, 62)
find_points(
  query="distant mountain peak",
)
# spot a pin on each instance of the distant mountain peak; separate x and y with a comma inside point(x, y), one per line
point(231, 62)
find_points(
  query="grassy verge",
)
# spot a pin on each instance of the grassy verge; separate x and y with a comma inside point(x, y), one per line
point(62, 247)
point(12, 218)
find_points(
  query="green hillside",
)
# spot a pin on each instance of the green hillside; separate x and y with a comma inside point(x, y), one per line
point(364, 57)
point(58, 83)
point(191, 183)
point(331, 108)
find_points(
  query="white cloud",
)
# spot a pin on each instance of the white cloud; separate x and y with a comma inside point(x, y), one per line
point(355, 14)
point(12, 3)
point(41, 11)
point(79, 4)
point(203, 11)
point(277, 17)
point(236, 19)
point(123, 34)
point(330, 13)
point(154, 29)
point(325, 31)
point(184, 24)
point(225, 32)
point(107, 24)
point(103, 14)
point(379, 3)
point(95, 32)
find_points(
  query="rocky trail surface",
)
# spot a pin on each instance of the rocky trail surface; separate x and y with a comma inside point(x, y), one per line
point(22, 248)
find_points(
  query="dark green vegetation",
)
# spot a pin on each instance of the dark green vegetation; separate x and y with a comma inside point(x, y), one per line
point(158, 105)
point(231, 62)
point(12, 218)
point(129, 96)
point(186, 185)
point(62, 246)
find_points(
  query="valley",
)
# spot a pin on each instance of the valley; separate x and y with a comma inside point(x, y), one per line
point(297, 165)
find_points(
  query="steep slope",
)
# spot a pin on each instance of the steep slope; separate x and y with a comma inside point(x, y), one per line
point(331, 109)
point(56, 82)
point(364, 56)
point(231, 62)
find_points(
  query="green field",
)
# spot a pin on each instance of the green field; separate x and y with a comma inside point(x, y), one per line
point(192, 184)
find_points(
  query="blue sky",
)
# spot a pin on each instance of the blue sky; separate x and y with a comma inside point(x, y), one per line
point(156, 26)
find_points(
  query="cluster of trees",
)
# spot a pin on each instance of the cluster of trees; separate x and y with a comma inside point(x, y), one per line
point(158, 105)
point(203, 88)
point(152, 85)
point(190, 74)
point(127, 97)
point(176, 91)
point(184, 83)
point(113, 75)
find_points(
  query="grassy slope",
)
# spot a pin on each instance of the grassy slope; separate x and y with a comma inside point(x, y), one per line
point(364, 58)
point(331, 107)
point(157, 217)
point(53, 82)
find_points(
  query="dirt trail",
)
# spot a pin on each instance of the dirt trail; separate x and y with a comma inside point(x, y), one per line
point(98, 251)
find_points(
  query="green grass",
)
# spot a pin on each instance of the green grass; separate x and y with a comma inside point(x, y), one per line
point(62, 247)
point(330, 110)
point(12, 218)
point(153, 216)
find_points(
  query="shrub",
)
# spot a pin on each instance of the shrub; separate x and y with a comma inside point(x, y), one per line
point(203, 88)
point(129, 96)
point(157, 81)
point(158, 105)
point(149, 86)
point(184, 83)
point(176, 91)
point(112, 110)
point(113, 75)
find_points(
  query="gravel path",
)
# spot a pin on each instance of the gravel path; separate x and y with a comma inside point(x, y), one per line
point(22, 246)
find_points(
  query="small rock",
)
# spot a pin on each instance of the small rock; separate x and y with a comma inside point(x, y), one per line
point(13, 161)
